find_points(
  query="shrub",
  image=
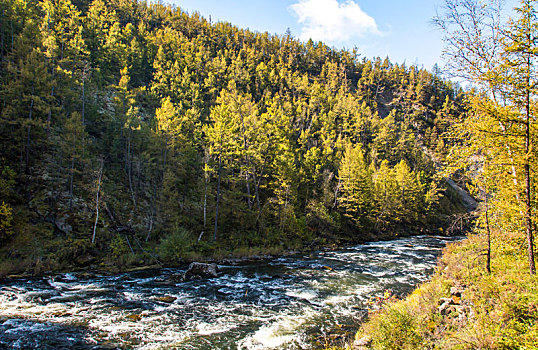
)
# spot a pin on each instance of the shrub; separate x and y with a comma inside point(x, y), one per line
point(173, 247)
point(6, 218)
point(118, 247)
point(396, 329)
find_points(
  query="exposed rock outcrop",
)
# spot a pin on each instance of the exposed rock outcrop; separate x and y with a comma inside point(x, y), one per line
point(453, 307)
point(362, 343)
point(469, 202)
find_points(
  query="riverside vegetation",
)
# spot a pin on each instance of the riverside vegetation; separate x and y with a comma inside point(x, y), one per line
point(494, 310)
point(134, 133)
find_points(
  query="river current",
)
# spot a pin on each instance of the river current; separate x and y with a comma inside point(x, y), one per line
point(302, 301)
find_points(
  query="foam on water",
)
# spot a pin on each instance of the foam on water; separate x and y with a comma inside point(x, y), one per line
point(207, 329)
point(302, 294)
point(277, 334)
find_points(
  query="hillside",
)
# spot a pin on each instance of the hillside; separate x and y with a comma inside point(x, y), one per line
point(135, 134)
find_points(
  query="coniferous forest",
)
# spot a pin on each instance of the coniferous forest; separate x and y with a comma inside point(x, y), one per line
point(136, 137)
point(136, 133)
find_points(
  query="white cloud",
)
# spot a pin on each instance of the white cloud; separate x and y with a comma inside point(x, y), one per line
point(328, 20)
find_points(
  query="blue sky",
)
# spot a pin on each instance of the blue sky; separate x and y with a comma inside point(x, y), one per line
point(399, 29)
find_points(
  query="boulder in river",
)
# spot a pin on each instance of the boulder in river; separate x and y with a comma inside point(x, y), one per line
point(167, 299)
point(200, 270)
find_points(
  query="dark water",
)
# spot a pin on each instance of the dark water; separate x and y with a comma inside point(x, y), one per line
point(296, 302)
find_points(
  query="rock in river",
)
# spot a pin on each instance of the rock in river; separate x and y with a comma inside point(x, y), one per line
point(200, 270)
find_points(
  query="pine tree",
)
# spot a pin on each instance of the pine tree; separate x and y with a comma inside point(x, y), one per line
point(357, 186)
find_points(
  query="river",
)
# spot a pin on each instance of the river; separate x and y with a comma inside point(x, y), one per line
point(303, 301)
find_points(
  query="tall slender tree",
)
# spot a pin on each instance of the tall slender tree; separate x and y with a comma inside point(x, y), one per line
point(500, 59)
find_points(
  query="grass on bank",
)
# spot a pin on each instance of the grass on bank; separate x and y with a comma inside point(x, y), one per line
point(495, 311)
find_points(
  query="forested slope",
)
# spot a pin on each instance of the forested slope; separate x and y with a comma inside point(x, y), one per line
point(135, 133)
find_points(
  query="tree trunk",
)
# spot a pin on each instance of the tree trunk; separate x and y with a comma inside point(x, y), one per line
point(150, 228)
point(27, 162)
point(12, 36)
point(71, 178)
point(249, 199)
point(49, 116)
point(528, 221)
point(257, 195)
point(97, 201)
point(165, 153)
point(512, 163)
point(83, 108)
point(206, 181)
point(336, 191)
point(130, 168)
point(2, 36)
point(218, 200)
point(245, 148)
point(488, 252)
point(129, 244)
point(83, 95)
point(153, 212)
point(257, 192)
point(528, 185)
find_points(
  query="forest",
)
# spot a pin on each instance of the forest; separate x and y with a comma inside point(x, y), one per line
point(135, 133)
